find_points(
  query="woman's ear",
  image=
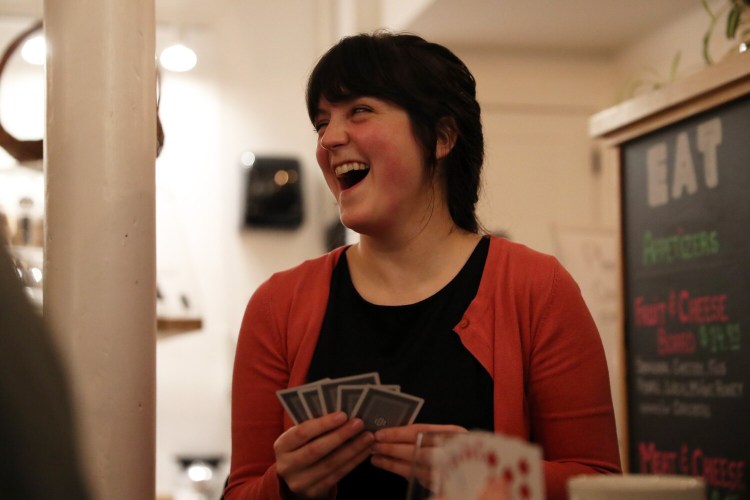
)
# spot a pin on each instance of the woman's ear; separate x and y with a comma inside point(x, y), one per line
point(446, 137)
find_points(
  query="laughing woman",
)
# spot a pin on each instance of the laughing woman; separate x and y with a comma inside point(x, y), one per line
point(491, 334)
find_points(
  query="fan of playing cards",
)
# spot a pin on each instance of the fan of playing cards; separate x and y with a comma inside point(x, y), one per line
point(360, 396)
point(476, 465)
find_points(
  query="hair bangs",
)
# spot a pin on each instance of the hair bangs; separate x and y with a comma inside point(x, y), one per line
point(349, 70)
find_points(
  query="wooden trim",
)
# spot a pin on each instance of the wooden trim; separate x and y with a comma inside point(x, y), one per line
point(707, 89)
point(623, 416)
point(178, 325)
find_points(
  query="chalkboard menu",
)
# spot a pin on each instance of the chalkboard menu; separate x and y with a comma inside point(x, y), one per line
point(686, 243)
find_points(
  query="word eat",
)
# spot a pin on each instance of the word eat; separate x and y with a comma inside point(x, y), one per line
point(684, 178)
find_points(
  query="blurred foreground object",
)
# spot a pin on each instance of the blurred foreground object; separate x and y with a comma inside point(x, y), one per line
point(476, 465)
point(40, 459)
point(640, 486)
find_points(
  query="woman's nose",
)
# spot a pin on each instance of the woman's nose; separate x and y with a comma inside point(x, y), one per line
point(333, 135)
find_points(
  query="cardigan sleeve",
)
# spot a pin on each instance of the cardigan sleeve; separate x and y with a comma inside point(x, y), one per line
point(275, 345)
point(260, 368)
point(570, 403)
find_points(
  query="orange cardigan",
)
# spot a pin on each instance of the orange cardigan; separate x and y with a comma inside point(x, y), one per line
point(528, 326)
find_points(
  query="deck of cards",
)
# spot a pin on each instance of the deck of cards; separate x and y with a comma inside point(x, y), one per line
point(470, 465)
point(359, 396)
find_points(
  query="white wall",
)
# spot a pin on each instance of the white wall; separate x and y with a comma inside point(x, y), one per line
point(539, 174)
point(192, 368)
point(263, 70)
point(246, 94)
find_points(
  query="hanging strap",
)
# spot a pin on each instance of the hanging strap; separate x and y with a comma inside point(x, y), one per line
point(28, 151)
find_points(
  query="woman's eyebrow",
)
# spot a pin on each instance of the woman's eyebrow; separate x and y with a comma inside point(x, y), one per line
point(318, 113)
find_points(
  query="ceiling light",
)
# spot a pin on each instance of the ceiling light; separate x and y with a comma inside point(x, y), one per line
point(247, 159)
point(178, 58)
point(34, 50)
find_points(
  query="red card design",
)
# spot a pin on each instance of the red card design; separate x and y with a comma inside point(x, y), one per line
point(477, 465)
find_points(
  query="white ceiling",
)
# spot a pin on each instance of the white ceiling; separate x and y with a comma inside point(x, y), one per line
point(31, 8)
point(594, 26)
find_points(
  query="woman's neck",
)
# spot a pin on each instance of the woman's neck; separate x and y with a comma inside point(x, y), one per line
point(407, 270)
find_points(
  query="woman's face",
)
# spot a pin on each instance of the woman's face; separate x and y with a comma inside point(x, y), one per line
point(373, 164)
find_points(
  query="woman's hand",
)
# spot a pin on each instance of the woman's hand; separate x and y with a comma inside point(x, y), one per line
point(313, 456)
point(394, 448)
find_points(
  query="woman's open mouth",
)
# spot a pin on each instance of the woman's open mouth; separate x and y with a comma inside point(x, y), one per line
point(350, 174)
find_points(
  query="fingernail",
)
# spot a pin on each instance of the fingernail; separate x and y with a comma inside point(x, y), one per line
point(339, 417)
point(356, 424)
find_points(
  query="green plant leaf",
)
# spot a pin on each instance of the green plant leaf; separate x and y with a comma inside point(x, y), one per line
point(708, 9)
point(675, 65)
point(706, 52)
point(733, 20)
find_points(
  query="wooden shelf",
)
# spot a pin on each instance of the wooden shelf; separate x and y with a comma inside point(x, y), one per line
point(701, 91)
point(171, 326)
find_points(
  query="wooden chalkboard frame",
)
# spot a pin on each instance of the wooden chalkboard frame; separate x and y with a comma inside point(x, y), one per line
point(702, 91)
point(614, 127)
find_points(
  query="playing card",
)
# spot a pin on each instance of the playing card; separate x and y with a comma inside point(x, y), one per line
point(292, 402)
point(312, 400)
point(324, 396)
point(520, 464)
point(469, 464)
point(329, 388)
point(347, 396)
point(380, 408)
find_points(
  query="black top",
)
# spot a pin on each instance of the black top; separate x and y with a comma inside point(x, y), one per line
point(413, 346)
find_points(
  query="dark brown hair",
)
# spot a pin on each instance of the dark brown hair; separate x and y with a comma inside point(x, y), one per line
point(434, 87)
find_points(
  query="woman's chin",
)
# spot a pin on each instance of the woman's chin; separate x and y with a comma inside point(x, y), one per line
point(351, 223)
point(357, 222)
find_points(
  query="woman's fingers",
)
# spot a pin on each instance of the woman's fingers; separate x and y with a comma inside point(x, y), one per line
point(401, 459)
point(323, 476)
point(305, 444)
point(311, 457)
point(409, 433)
point(401, 467)
point(299, 435)
point(396, 450)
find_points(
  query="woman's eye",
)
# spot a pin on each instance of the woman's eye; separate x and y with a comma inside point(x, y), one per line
point(360, 109)
point(319, 126)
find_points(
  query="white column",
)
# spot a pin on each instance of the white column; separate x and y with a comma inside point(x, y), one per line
point(100, 277)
